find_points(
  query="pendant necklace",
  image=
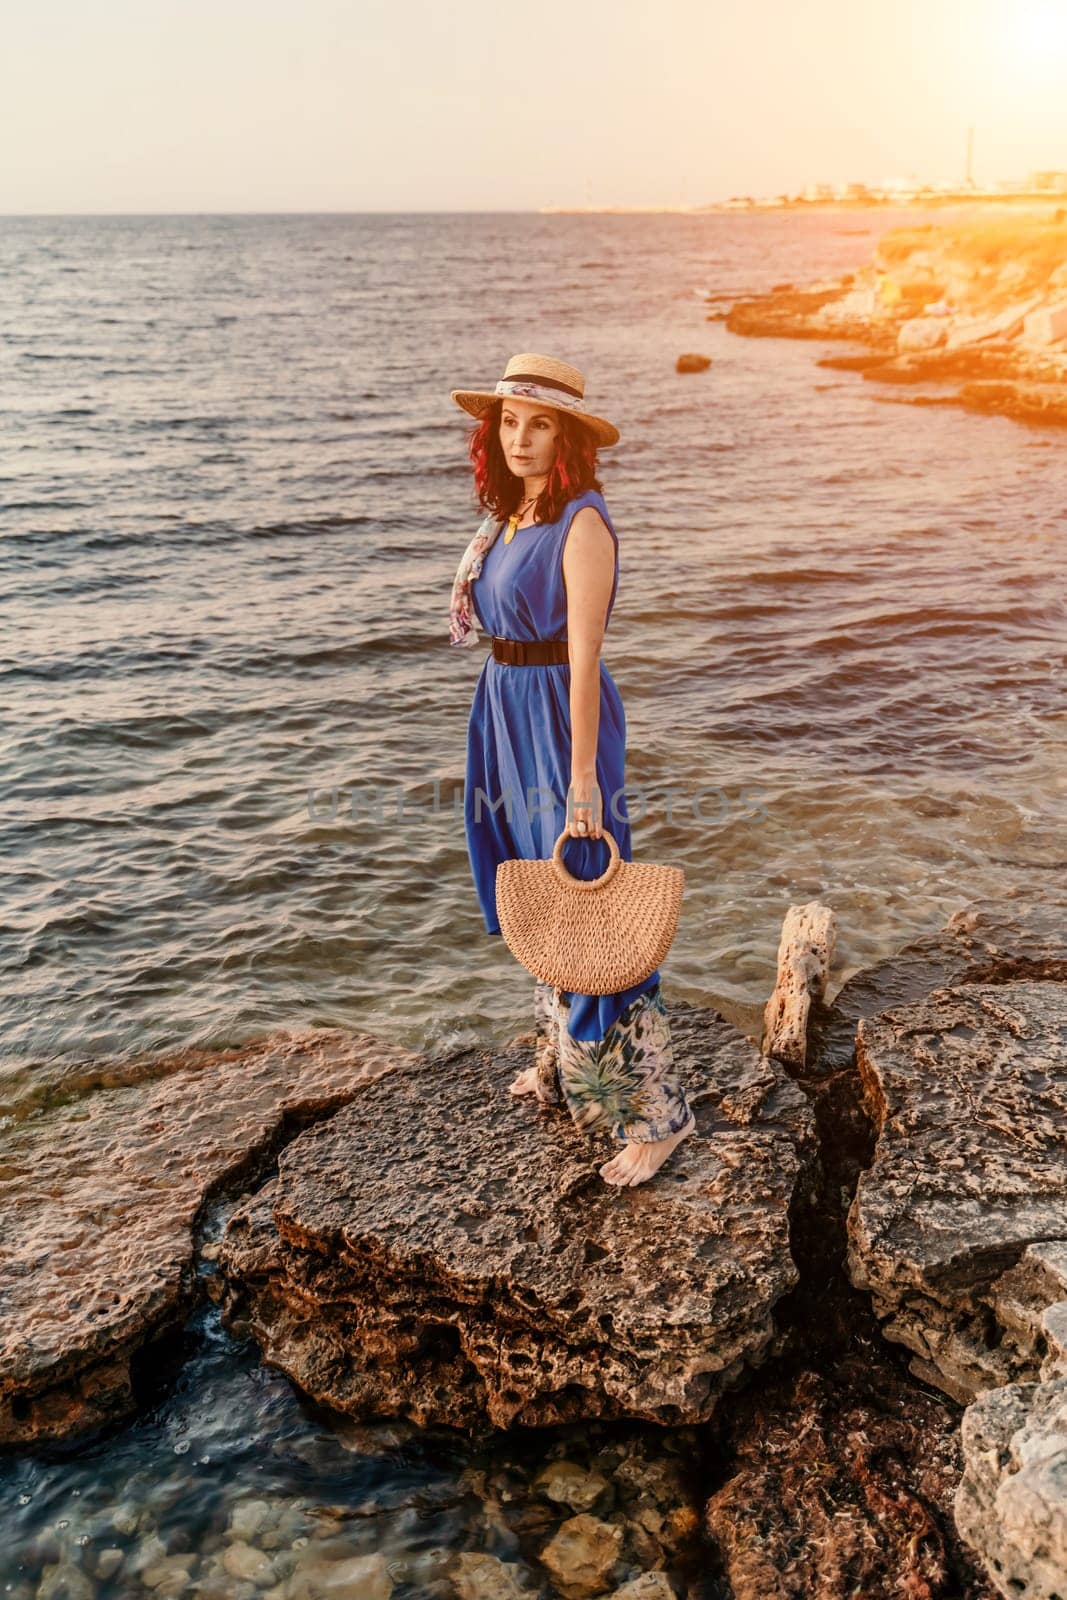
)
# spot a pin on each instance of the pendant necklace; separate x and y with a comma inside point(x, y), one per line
point(516, 517)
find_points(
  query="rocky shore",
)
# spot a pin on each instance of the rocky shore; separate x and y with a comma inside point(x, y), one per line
point(841, 1308)
point(970, 314)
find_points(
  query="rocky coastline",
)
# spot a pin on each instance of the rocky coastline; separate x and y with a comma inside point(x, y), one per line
point(841, 1308)
point(970, 314)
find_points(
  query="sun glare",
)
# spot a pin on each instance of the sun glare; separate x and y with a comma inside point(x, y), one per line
point(1038, 31)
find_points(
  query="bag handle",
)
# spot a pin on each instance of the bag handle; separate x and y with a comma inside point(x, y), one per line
point(568, 877)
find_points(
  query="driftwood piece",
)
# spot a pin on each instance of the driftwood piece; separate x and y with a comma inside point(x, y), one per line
point(805, 951)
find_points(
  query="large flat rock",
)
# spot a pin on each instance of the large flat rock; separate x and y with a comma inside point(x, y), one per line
point(100, 1198)
point(443, 1251)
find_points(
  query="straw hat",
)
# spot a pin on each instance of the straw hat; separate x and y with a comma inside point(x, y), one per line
point(553, 383)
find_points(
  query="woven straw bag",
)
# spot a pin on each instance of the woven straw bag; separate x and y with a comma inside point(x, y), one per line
point(588, 936)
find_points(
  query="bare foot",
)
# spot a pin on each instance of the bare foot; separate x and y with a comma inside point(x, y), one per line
point(637, 1162)
point(526, 1082)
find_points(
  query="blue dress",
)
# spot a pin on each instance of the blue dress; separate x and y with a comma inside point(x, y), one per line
point(519, 739)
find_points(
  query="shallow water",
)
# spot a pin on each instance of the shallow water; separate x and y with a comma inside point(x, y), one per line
point(234, 495)
point(232, 1459)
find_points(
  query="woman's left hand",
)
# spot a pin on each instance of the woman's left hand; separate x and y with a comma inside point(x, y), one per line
point(585, 810)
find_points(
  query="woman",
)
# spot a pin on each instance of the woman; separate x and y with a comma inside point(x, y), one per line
point(546, 741)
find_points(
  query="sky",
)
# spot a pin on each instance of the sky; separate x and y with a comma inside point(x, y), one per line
point(438, 105)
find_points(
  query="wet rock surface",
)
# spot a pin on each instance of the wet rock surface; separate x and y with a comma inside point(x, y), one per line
point(441, 1252)
point(986, 942)
point(100, 1199)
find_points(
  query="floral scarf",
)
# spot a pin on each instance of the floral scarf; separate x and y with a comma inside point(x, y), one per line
point(462, 630)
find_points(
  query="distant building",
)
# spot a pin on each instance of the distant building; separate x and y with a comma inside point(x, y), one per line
point(899, 191)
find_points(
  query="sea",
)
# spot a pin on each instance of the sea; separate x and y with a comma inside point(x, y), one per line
point(233, 494)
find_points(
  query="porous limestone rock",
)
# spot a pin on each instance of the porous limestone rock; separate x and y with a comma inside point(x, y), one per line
point(100, 1197)
point(1011, 1505)
point(1045, 326)
point(959, 1222)
point(444, 1251)
point(1005, 323)
point(968, 1092)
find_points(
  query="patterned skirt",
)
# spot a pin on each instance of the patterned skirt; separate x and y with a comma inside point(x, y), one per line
point(625, 1081)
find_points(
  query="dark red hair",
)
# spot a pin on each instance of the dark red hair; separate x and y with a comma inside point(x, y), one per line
point(501, 492)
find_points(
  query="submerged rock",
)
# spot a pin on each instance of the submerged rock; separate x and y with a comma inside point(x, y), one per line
point(581, 1555)
point(478, 1576)
point(647, 1486)
point(571, 1485)
point(441, 1251)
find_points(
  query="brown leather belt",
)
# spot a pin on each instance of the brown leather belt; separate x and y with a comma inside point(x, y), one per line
point(530, 652)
